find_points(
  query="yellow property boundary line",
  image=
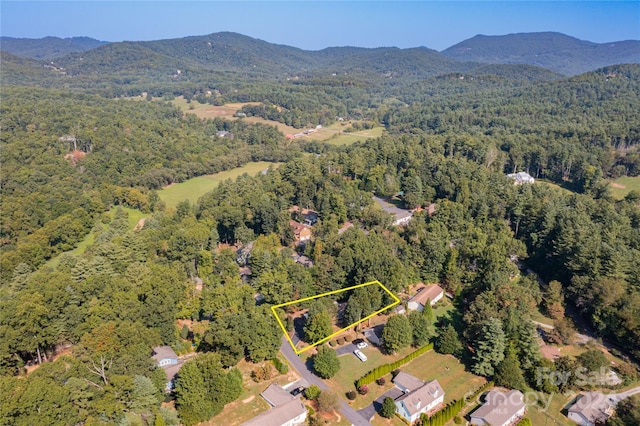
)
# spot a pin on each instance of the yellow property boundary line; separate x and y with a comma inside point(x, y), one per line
point(284, 329)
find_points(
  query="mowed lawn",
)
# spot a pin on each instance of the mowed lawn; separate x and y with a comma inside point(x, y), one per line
point(623, 185)
point(195, 188)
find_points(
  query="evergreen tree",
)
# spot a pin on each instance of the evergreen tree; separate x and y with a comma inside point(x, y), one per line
point(396, 334)
point(419, 327)
point(490, 348)
point(508, 373)
point(388, 408)
point(448, 341)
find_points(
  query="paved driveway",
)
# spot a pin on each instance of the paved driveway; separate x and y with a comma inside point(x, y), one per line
point(368, 411)
point(296, 362)
point(346, 349)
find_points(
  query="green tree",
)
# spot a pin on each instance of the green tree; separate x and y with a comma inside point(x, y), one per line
point(397, 334)
point(427, 312)
point(490, 348)
point(420, 328)
point(448, 341)
point(203, 388)
point(326, 363)
point(312, 392)
point(593, 360)
point(509, 373)
point(318, 326)
point(554, 300)
point(388, 408)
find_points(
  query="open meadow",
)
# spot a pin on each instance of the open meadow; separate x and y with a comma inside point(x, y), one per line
point(195, 188)
point(623, 185)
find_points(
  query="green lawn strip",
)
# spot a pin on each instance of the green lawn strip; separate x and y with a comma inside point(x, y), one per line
point(193, 189)
point(352, 137)
point(629, 183)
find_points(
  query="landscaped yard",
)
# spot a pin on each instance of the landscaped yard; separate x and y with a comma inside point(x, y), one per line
point(193, 189)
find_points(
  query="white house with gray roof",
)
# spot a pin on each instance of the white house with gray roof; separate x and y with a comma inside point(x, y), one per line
point(418, 397)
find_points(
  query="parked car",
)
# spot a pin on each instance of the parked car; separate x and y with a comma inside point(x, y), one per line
point(362, 357)
point(362, 345)
point(357, 341)
point(297, 390)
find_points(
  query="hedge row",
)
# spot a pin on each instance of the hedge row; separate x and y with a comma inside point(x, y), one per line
point(444, 415)
point(388, 368)
point(452, 409)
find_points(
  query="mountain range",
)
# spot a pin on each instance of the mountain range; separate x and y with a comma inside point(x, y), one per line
point(82, 62)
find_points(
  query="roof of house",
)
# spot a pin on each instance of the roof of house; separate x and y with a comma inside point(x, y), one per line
point(500, 406)
point(298, 227)
point(279, 415)
point(407, 381)
point(428, 292)
point(390, 208)
point(594, 406)
point(418, 399)
point(276, 396)
point(171, 370)
point(162, 352)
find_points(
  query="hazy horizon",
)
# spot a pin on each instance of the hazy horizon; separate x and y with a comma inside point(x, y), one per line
point(318, 25)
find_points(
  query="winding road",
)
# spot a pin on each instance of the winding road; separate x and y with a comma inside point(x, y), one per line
point(296, 362)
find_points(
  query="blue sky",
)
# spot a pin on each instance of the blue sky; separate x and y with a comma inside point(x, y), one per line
point(317, 24)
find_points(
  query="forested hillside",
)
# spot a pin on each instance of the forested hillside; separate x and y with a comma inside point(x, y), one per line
point(47, 47)
point(85, 294)
point(554, 51)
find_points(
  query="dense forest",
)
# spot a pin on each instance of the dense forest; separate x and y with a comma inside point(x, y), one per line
point(75, 161)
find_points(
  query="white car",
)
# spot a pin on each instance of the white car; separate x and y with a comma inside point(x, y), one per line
point(362, 345)
point(362, 357)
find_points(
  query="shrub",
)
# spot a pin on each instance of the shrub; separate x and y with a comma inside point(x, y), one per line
point(282, 367)
point(363, 390)
point(328, 401)
point(388, 408)
point(333, 343)
point(351, 395)
point(340, 340)
point(312, 392)
point(261, 373)
point(348, 338)
point(381, 381)
point(457, 420)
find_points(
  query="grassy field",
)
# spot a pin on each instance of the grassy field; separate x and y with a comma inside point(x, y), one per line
point(193, 189)
point(332, 134)
point(623, 185)
point(133, 217)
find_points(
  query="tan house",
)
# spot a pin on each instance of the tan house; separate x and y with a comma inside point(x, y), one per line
point(418, 396)
point(301, 232)
point(500, 409)
point(287, 410)
point(591, 408)
point(432, 292)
